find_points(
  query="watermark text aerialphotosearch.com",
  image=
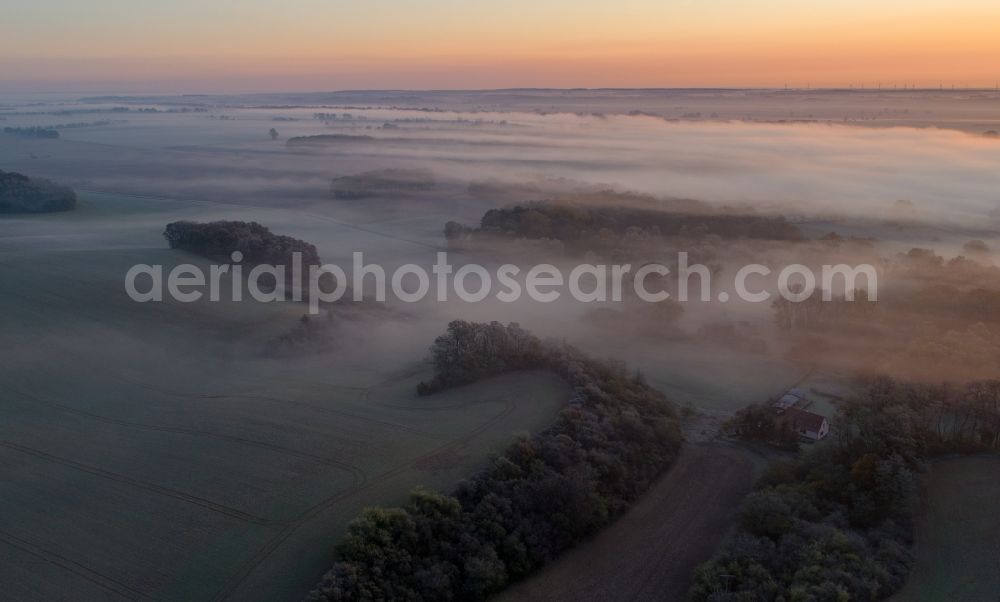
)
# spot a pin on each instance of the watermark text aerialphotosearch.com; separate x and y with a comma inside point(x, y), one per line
point(471, 283)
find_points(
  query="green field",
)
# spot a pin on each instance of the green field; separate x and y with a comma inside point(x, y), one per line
point(958, 540)
point(151, 451)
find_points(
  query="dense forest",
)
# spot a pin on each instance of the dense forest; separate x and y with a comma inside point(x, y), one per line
point(542, 495)
point(21, 194)
point(837, 523)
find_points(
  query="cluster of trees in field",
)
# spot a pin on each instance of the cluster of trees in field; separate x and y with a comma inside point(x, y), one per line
point(542, 495)
point(380, 182)
point(640, 318)
point(963, 353)
point(312, 334)
point(760, 423)
point(21, 194)
point(974, 265)
point(837, 523)
point(32, 132)
point(218, 240)
point(52, 131)
point(817, 314)
point(584, 227)
point(259, 247)
point(169, 110)
point(541, 188)
point(738, 336)
point(934, 419)
point(335, 116)
point(934, 320)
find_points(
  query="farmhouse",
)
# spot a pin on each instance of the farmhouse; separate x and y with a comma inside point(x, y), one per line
point(790, 399)
point(808, 424)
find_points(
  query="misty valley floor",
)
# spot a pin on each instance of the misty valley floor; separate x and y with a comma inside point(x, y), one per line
point(146, 454)
point(148, 451)
point(152, 451)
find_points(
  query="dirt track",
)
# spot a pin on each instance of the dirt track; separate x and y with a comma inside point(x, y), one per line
point(650, 553)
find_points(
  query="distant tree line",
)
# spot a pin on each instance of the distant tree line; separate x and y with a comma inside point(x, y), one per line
point(111, 110)
point(170, 110)
point(541, 188)
point(85, 124)
point(21, 194)
point(334, 116)
point(32, 132)
point(837, 523)
point(972, 268)
point(326, 140)
point(545, 493)
point(817, 314)
point(583, 227)
point(567, 222)
point(382, 181)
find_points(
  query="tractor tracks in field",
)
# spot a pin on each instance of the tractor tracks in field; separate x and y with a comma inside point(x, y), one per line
point(361, 483)
point(101, 580)
point(118, 587)
point(144, 485)
point(312, 406)
point(271, 546)
point(83, 358)
point(358, 475)
point(278, 400)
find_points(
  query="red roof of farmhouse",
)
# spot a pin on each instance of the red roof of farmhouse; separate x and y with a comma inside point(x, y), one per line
point(802, 419)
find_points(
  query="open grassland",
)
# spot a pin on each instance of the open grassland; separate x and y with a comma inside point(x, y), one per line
point(958, 541)
point(651, 552)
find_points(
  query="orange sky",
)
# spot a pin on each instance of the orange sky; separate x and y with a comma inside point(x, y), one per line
point(329, 44)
